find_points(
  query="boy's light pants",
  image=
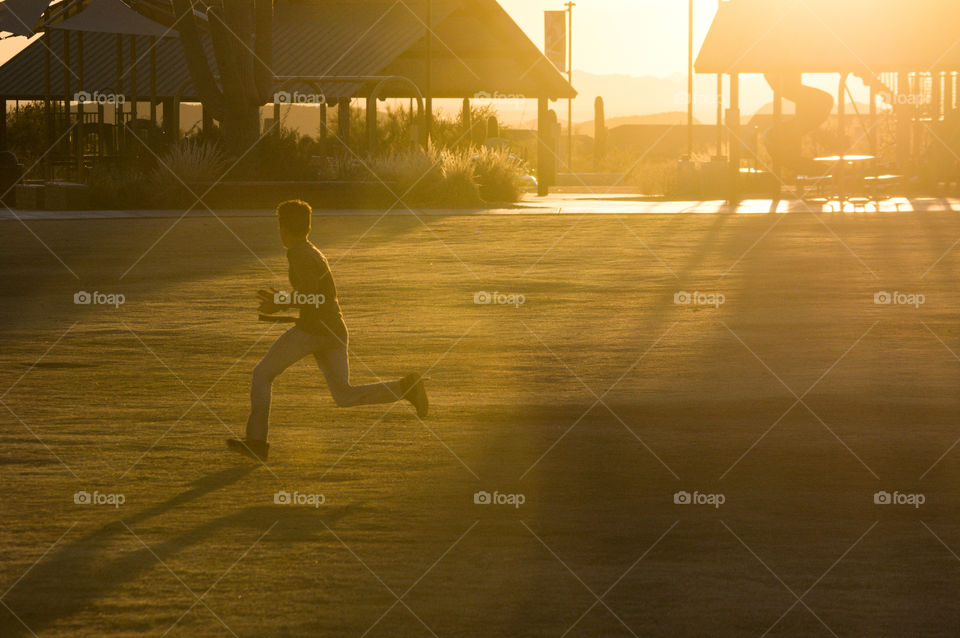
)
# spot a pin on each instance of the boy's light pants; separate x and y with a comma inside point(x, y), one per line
point(331, 355)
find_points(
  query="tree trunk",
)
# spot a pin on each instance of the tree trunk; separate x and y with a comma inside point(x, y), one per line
point(242, 35)
point(240, 126)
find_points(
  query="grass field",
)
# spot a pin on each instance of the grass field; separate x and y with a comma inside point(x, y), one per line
point(597, 399)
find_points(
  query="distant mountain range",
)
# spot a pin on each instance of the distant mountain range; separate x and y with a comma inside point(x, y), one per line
point(675, 118)
point(664, 99)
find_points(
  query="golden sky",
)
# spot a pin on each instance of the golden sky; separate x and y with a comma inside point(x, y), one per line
point(636, 37)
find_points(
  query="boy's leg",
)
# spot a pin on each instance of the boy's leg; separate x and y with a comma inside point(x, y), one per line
point(291, 347)
point(335, 365)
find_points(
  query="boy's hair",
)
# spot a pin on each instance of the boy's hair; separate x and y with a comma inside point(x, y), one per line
point(295, 216)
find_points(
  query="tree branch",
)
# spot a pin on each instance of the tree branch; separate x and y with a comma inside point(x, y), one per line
point(197, 64)
point(239, 16)
point(263, 63)
point(225, 48)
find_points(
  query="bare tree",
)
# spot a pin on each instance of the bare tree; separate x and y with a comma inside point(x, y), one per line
point(241, 32)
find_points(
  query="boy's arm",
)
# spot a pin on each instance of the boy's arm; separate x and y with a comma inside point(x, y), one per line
point(269, 301)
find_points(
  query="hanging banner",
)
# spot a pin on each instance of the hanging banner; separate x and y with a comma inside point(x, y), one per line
point(556, 38)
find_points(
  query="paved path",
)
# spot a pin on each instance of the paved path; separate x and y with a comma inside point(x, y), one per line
point(566, 204)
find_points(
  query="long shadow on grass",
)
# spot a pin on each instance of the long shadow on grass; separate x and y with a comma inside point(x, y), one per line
point(90, 568)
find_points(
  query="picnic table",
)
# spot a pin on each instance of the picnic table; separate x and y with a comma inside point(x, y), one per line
point(849, 176)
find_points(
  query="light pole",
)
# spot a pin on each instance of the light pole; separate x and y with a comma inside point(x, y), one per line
point(690, 82)
point(720, 105)
point(428, 111)
point(570, 5)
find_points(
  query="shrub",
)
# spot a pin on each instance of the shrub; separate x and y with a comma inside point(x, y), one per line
point(452, 178)
point(499, 175)
point(414, 175)
point(282, 155)
point(193, 161)
point(190, 161)
point(27, 132)
point(458, 188)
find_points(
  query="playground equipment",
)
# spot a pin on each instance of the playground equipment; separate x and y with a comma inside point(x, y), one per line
point(785, 139)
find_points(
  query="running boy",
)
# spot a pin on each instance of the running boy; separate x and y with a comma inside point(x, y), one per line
point(319, 331)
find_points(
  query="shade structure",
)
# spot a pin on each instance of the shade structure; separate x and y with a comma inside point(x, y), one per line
point(832, 36)
point(20, 17)
point(112, 16)
point(477, 49)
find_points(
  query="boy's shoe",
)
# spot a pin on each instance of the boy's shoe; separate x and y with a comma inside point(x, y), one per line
point(416, 394)
point(254, 449)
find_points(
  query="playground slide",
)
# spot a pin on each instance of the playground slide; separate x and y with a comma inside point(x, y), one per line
point(813, 108)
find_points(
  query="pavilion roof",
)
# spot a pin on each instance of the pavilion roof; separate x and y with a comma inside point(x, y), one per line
point(827, 36)
point(477, 48)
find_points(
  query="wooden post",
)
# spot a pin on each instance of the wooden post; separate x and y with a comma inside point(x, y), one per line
point(101, 146)
point(81, 106)
point(323, 126)
point(48, 106)
point(153, 80)
point(133, 80)
point(956, 94)
point(466, 120)
point(544, 159)
point(66, 71)
point(555, 133)
point(902, 110)
point(719, 116)
point(841, 132)
point(118, 105)
point(778, 127)
point(948, 92)
point(3, 125)
point(917, 130)
point(936, 96)
point(72, 142)
point(371, 124)
point(171, 118)
point(343, 121)
point(736, 145)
